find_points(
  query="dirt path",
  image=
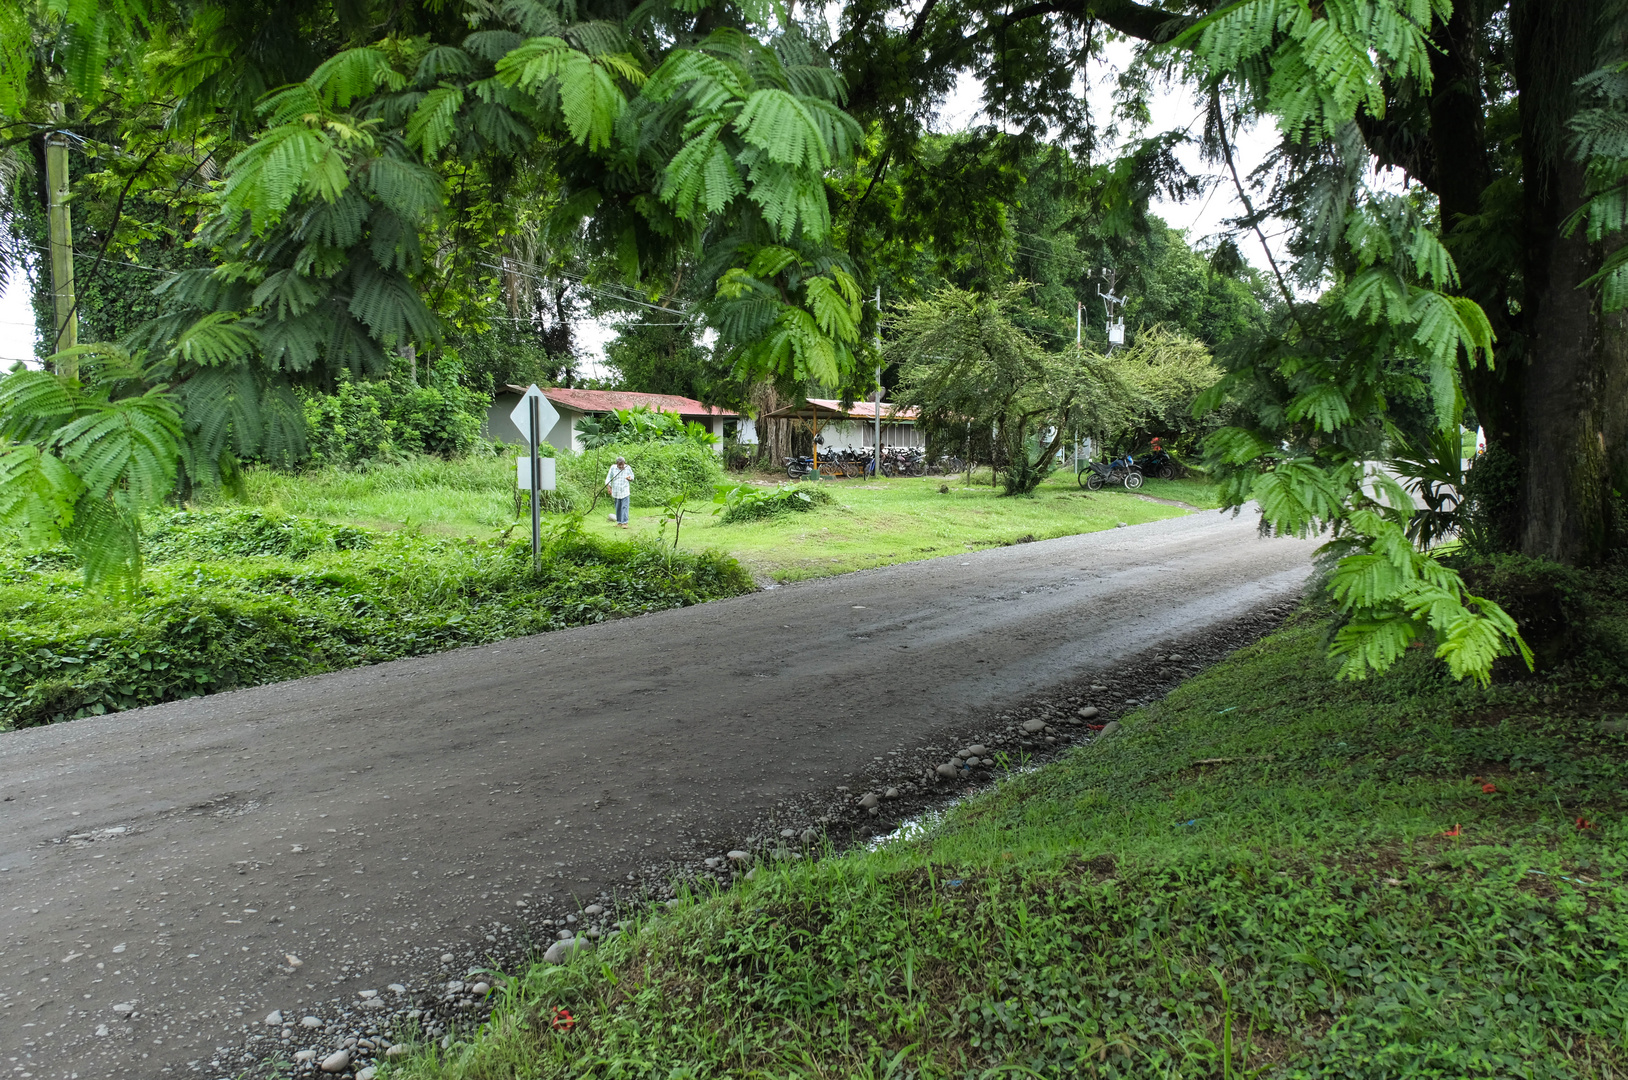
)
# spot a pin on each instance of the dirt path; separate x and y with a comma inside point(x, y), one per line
point(158, 867)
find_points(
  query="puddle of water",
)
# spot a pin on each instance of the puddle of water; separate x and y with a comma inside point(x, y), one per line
point(924, 824)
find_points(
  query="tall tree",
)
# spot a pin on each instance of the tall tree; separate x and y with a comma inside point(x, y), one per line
point(670, 128)
point(968, 367)
point(1505, 116)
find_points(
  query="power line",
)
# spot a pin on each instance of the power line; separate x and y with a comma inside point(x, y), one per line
point(583, 283)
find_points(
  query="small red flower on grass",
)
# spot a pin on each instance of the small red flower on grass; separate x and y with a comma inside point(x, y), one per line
point(1584, 823)
point(1454, 831)
point(1489, 789)
point(563, 1020)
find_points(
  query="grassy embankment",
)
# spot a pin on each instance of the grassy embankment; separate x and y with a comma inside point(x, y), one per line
point(429, 556)
point(240, 597)
point(1266, 874)
point(871, 523)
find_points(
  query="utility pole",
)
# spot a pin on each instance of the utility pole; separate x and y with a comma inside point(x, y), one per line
point(1079, 322)
point(60, 221)
point(876, 408)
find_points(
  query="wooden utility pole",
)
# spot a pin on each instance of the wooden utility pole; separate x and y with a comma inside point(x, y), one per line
point(60, 220)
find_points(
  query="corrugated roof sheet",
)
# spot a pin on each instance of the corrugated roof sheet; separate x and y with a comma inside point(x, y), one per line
point(607, 400)
point(866, 410)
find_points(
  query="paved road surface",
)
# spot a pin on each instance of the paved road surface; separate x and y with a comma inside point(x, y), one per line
point(348, 817)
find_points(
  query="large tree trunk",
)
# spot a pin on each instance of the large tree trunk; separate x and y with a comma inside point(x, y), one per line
point(1573, 369)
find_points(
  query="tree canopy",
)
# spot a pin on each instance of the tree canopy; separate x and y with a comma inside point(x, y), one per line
point(969, 368)
point(355, 175)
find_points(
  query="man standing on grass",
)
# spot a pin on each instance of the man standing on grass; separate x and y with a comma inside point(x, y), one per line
point(619, 482)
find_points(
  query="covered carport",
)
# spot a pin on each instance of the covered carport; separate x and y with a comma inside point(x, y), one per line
point(815, 413)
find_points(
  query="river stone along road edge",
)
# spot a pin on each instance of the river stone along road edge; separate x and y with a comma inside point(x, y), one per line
point(192, 886)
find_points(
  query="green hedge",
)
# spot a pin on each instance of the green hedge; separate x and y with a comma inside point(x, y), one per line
point(238, 598)
point(660, 470)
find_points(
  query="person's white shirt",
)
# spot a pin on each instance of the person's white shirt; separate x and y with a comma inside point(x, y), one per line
point(620, 479)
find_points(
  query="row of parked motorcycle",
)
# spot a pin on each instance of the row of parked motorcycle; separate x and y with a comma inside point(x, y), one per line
point(896, 461)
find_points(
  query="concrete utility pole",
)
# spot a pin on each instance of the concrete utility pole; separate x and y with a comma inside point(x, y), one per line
point(876, 409)
point(60, 220)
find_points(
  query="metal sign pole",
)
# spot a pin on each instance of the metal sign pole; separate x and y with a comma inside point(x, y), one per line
point(536, 487)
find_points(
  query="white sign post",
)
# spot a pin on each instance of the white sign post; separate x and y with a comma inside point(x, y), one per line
point(535, 417)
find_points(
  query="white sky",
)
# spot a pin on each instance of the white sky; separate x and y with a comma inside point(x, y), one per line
point(16, 323)
point(1172, 109)
point(1201, 218)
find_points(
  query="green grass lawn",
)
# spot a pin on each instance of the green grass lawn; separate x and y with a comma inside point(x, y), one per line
point(872, 523)
point(875, 523)
point(470, 496)
point(1267, 873)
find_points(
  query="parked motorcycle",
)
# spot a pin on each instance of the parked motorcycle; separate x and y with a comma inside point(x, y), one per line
point(1158, 462)
point(1095, 475)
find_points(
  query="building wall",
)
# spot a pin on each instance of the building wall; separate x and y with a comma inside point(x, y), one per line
point(563, 436)
point(858, 434)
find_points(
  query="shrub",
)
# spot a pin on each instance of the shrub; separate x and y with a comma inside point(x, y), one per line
point(347, 427)
point(753, 504)
point(238, 533)
point(662, 471)
point(297, 597)
point(444, 420)
point(641, 425)
point(380, 421)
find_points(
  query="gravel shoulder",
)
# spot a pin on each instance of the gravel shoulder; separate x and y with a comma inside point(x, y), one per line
point(165, 866)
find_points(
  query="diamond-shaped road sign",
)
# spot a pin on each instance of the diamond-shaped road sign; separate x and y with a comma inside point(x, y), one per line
point(547, 417)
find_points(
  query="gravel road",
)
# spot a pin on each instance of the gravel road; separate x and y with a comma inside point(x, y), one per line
point(162, 869)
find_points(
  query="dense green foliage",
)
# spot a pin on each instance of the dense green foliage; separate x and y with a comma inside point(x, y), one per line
point(658, 353)
point(967, 366)
point(80, 461)
point(978, 210)
point(641, 425)
point(364, 158)
point(744, 503)
point(661, 470)
point(1163, 373)
point(242, 597)
point(1268, 873)
point(380, 421)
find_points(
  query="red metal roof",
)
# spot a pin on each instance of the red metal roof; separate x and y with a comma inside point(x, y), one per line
point(866, 410)
point(600, 401)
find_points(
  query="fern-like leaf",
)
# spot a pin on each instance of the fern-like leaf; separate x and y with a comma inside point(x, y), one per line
point(430, 127)
point(37, 494)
